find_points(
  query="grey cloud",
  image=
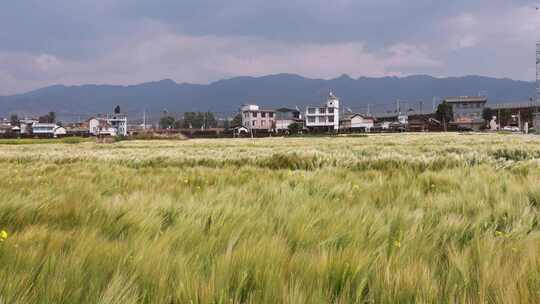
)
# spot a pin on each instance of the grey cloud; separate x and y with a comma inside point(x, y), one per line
point(126, 41)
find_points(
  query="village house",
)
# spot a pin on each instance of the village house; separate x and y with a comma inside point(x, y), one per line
point(354, 122)
point(325, 117)
point(26, 124)
point(101, 127)
point(60, 131)
point(108, 125)
point(256, 118)
point(48, 130)
point(285, 117)
point(43, 129)
point(77, 129)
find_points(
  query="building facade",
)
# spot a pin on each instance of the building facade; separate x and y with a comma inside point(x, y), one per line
point(467, 111)
point(285, 117)
point(47, 130)
point(325, 117)
point(26, 126)
point(108, 124)
point(357, 123)
point(256, 118)
point(43, 129)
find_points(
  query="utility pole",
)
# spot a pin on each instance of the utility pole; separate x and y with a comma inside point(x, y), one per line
point(144, 119)
point(368, 109)
point(499, 119)
point(204, 121)
point(434, 101)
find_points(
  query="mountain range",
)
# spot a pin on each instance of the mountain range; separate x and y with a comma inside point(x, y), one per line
point(225, 96)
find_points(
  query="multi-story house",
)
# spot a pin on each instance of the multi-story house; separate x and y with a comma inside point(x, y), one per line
point(108, 124)
point(256, 118)
point(325, 117)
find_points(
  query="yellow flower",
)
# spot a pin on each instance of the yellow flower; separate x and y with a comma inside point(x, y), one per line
point(3, 235)
point(290, 173)
point(356, 187)
point(498, 233)
point(397, 244)
point(514, 249)
point(186, 181)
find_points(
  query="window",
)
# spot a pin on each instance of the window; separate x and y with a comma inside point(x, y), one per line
point(331, 119)
point(253, 123)
point(311, 110)
point(322, 119)
point(271, 114)
point(330, 110)
point(311, 119)
point(263, 114)
point(322, 110)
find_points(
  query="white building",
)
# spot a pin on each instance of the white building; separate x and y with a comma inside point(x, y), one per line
point(46, 129)
point(324, 117)
point(255, 118)
point(60, 131)
point(108, 124)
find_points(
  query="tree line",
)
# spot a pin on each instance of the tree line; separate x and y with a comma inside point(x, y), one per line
point(196, 120)
point(48, 118)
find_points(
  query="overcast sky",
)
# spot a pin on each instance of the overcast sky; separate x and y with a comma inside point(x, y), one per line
point(133, 41)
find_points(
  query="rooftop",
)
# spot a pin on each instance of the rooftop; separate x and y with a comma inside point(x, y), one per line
point(462, 99)
point(348, 116)
point(287, 110)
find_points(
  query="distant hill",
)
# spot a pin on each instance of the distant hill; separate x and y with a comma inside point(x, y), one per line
point(225, 96)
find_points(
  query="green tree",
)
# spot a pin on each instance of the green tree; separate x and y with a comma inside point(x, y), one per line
point(487, 114)
point(52, 117)
point(49, 118)
point(179, 124)
point(189, 118)
point(295, 128)
point(14, 120)
point(199, 120)
point(236, 121)
point(167, 122)
point(43, 119)
point(210, 120)
point(444, 114)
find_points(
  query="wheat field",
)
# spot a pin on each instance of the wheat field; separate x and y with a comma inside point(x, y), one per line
point(404, 218)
